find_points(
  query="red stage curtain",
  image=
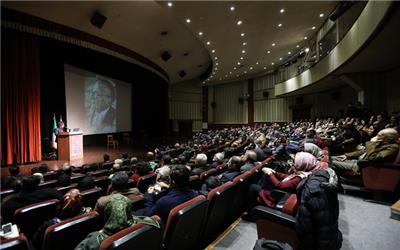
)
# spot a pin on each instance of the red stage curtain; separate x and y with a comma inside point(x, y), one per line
point(20, 98)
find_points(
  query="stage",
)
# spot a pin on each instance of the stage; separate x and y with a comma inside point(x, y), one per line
point(91, 154)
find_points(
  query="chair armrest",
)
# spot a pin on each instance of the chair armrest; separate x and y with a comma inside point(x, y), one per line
point(266, 213)
point(363, 164)
point(280, 198)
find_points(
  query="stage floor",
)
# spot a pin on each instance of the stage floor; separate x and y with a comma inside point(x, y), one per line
point(91, 154)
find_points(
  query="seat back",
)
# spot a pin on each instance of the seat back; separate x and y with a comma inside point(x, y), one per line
point(47, 184)
point(6, 192)
point(102, 182)
point(90, 196)
point(243, 182)
point(207, 173)
point(65, 189)
point(138, 236)
point(102, 172)
point(381, 179)
point(77, 177)
point(145, 181)
point(29, 218)
point(194, 182)
point(17, 243)
point(65, 232)
point(291, 205)
point(220, 201)
point(185, 223)
point(53, 175)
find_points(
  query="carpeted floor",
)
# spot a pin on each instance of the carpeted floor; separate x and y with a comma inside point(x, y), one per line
point(364, 225)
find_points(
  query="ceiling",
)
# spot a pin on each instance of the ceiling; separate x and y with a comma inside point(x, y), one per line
point(137, 25)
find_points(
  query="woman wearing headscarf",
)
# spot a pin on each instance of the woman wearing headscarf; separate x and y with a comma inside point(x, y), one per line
point(118, 216)
point(304, 164)
point(71, 207)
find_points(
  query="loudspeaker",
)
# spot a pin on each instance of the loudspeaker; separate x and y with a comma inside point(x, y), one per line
point(182, 73)
point(166, 56)
point(241, 100)
point(98, 20)
point(265, 94)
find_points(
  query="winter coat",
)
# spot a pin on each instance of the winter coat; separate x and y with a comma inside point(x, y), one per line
point(317, 216)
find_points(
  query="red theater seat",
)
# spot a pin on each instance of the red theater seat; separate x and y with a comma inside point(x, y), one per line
point(185, 224)
point(29, 218)
point(102, 182)
point(194, 182)
point(69, 233)
point(145, 181)
point(218, 213)
point(207, 173)
point(18, 243)
point(64, 190)
point(243, 182)
point(138, 236)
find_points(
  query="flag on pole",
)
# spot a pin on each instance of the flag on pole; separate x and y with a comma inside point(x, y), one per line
point(53, 143)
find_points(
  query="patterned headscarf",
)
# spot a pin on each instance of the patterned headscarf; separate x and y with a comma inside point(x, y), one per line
point(117, 214)
point(72, 204)
point(304, 161)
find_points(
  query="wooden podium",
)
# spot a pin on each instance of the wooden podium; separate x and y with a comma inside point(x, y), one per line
point(70, 146)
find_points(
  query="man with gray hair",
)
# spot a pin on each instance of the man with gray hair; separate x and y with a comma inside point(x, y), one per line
point(200, 164)
point(382, 148)
point(249, 159)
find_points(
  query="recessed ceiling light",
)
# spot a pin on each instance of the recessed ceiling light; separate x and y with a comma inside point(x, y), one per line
point(235, 67)
point(307, 50)
point(321, 15)
point(200, 33)
point(273, 44)
point(297, 46)
point(208, 43)
point(282, 10)
point(305, 38)
point(230, 72)
point(265, 67)
point(241, 58)
point(268, 52)
point(169, 4)
point(244, 44)
point(256, 63)
point(313, 27)
point(289, 53)
point(232, 8)
point(213, 51)
point(188, 20)
point(280, 25)
point(251, 68)
point(216, 63)
point(215, 58)
point(280, 58)
point(242, 34)
point(272, 63)
point(239, 22)
point(238, 63)
point(243, 51)
point(245, 72)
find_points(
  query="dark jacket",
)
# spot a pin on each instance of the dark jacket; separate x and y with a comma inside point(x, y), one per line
point(164, 205)
point(317, 216)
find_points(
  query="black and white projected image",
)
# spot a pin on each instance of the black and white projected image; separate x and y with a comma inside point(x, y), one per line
point(100, 105)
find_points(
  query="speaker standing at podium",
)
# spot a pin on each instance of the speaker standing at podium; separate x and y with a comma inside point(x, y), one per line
point(57, 131)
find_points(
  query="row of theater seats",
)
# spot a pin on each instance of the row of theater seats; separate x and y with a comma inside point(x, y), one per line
point(191, 225)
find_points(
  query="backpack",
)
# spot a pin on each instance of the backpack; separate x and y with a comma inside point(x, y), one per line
point(263, 244)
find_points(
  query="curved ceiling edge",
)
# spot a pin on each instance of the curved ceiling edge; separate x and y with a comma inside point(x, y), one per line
point(31, 24)
point(357, 36)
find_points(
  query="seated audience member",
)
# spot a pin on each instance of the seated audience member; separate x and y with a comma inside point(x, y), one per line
point(311, 136)
point(65, 177)
point(40, 176)
point(86, 183)
point(234, 165)
point(150, 158)
point(29, 194)
point(6, 181)
point(43, 168)
point(117, 216)
point(304, 164)
point(178, 193)
point(163, 182)
point(249, 159)
point(218, 160)
point(382, 148)
point(134, 160)
point(314, 150)
point(119, 185)
point(165, 160)
point(200, 164)
point(71, 207)
point(142, 168)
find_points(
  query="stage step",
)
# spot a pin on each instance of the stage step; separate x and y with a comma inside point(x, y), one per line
point(395, 211)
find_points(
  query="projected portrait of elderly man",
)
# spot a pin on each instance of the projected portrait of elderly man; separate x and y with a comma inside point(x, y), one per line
point(100, 105)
